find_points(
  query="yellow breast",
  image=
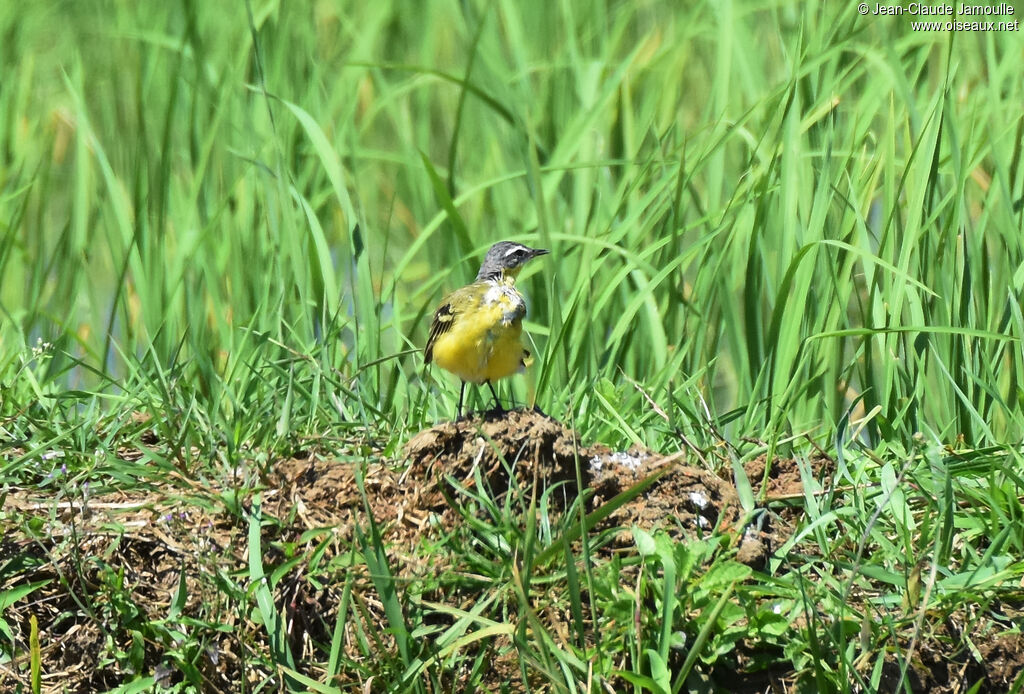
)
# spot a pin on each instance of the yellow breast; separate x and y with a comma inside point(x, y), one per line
point(483, 343)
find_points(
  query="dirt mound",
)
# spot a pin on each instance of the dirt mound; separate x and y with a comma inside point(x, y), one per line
point(532, 447)
point(538, 453)
point(528, 452)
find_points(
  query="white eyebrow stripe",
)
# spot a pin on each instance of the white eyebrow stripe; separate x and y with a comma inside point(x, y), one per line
point(513, 250)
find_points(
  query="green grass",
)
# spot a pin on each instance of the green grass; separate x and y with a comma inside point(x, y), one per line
point(224, 228)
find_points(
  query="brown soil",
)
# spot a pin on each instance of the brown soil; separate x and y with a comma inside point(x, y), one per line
point(136, 546)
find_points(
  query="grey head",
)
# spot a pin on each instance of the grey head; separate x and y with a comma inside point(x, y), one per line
point(506, 258)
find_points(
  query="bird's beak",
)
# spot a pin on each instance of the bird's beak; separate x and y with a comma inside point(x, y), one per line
point(540, 251)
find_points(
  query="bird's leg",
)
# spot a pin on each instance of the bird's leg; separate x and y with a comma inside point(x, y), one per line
point(462, 393)
point(497, 402)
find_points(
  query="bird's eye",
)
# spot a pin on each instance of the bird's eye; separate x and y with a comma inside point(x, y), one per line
point(517, 254)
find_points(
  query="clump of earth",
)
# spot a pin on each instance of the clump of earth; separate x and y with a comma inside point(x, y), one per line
point(537, 453)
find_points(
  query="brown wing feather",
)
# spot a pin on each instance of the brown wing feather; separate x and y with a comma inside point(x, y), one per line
point(444, 316)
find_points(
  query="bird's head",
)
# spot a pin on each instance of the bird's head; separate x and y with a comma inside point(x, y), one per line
point(506, 259)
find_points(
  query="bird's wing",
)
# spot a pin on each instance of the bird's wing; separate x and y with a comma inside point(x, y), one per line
point(444, 317)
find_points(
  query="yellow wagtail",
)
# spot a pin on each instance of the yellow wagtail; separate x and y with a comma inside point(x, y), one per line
point(476, 330)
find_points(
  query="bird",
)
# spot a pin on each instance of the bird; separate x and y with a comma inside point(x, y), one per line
point(476, 330)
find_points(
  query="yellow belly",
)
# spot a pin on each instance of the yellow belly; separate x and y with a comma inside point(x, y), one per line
point(480, 346)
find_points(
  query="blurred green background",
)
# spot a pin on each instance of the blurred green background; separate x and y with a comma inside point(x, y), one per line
point(766, 218)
